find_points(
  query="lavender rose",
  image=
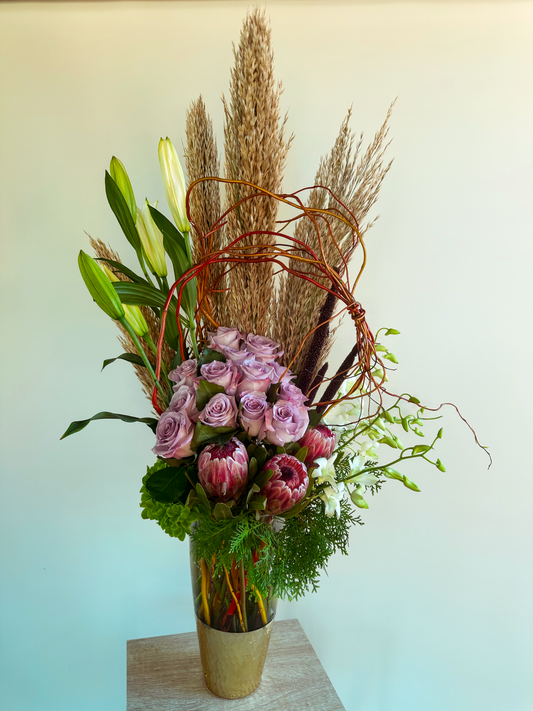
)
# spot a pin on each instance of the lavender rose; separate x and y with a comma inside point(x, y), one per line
point(185, 374)
point(184, 400)
point(256, 375)
point(282, 374)
point(285, 422)
point(224, 374)
point(220, 411)
point(174, 433)
point(237, 356)
point(225, 337)
point(252, 415)
point(263, 348)
point(292, 393)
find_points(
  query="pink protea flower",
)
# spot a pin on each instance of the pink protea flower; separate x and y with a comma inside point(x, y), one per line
point(223, 469)
point(288, 484)
point(320, 442)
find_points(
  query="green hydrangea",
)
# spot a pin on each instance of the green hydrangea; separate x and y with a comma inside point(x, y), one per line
point(174, 519)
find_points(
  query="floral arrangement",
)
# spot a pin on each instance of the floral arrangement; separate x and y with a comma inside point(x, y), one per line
point(261, 456)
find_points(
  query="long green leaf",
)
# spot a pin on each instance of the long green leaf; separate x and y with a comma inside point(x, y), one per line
point(180, 264)
point(169, 485)
point(81, 424)
point(129, 357)
point(122, 212)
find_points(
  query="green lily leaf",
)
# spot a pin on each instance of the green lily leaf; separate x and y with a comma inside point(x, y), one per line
point(169, 485)
point(122, 269)
point(205, 392)
point(81, 424)
point(122, 212)
point(129, 357)
point(167, 228)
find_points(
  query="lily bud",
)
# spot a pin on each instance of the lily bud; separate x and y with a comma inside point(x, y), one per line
point(287, 486)
point(320, 442)
point(223, 469)
point(100, 287)
point(151, 240)
point(174, 183)
point(119, 175)
point(132, 314)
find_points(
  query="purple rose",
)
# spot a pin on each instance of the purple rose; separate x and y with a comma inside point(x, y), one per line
point(185, 374)
point(174, 433)
point(285, 422)
point(256, 375)
point(224, 374)
point(282, 374)
point(225, 337)
point(252, 415)
point(292, 393)
point(237, 356)
point(184, 400)
point(263, 348)
point(220, 411)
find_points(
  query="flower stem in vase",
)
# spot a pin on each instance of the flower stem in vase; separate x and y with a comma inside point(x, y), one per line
point(243, 597)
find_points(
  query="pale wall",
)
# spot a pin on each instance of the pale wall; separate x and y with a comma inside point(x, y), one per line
point(432, 610)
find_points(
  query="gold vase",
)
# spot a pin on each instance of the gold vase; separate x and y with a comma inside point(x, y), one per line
point(232, 663)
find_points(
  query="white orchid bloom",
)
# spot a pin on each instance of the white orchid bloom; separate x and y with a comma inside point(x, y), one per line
point(344, 412)
point(363, 479)
point(325, 471)
point(332, 498)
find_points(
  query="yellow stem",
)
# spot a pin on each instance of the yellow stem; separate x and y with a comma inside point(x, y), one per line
point(205, 586)
point(234, 598)
point(260, 604)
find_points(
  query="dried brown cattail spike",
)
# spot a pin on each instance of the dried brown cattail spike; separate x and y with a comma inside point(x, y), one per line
point(201, 159)
point(255, 151)
point(103, 251)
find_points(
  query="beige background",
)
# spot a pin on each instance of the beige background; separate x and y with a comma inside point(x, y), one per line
point(432, 609)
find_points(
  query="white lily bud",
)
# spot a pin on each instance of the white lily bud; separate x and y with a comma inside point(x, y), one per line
point(120, 176)
point(151, 240)
point(174, 183)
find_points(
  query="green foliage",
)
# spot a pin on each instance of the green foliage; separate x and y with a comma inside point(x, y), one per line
point(237, 540)
point(81, 424)
point(304, 546)
point(175, 519)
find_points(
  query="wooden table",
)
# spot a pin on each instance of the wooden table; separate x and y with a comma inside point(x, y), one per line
point(165, 674)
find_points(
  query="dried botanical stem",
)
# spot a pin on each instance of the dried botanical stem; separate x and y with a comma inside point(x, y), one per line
point(356, 180)
point(201, 159)
point(255, 151)
point(339, 378)
point(317, 382)
point(314, 352)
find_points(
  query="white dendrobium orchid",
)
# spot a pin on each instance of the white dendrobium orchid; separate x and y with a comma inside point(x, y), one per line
point(325, 471)
point(174, 183)
point(346, 411)
point(332, 497)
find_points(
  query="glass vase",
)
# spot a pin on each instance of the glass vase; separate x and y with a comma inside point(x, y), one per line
point(234, 622)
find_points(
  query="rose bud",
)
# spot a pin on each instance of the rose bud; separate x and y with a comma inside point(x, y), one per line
point(225, 337)
point(252, 415)
point(223, 469)
point(263, 348)
point(224, 374)
point(185, 374)
point(288, 484)
point(184, 400)
point(174, 433)
point(292, 393)
point(220, 411)
point(256, 375)
point(320, 442)
point(285, 422)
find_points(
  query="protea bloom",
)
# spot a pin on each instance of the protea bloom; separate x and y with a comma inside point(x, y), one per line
point(320, 442)
point(288, 484)
point(223, 469)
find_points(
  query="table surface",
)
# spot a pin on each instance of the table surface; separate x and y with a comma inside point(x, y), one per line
point(165, 674)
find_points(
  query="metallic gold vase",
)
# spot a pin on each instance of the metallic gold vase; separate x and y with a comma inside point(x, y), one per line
point(232, 663)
